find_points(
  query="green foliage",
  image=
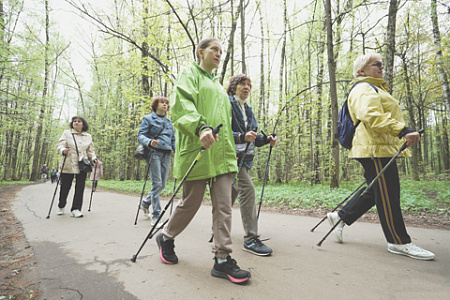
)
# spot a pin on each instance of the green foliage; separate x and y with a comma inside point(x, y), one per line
point(429, 196)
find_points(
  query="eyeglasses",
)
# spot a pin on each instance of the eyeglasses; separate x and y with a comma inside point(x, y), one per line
point(378, 64)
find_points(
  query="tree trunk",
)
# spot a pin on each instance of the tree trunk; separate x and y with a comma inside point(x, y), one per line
point(278, 169)
point(145, 54)
point(244, 66)
point(410, 108)
point(318, 125)
point(35, 171)
point(334, 183)
point(230, 41)
point(390, 43)
point(438, 49)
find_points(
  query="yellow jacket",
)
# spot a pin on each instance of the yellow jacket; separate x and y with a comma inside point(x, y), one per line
point(381, 120)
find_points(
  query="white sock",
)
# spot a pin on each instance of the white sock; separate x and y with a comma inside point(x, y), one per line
point(221, 260)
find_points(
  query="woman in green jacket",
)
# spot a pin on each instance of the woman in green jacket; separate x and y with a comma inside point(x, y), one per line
point(199, 103)
point(379, 136)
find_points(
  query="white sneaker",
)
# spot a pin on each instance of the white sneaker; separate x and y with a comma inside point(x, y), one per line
point(77, 214)
point(333, 218)
point(145, 210)
point(60, 211)
point(157, 226)
point(411, 250)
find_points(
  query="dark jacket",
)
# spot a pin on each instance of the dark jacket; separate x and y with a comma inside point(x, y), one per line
point(238, 127)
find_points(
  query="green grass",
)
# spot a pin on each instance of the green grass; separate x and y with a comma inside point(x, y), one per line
point(428, 196)
point(11, 182)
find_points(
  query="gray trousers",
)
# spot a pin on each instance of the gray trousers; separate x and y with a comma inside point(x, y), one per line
point(189, 204)
point(246, 191)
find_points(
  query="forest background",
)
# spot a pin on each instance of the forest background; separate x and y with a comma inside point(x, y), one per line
point(299, 55)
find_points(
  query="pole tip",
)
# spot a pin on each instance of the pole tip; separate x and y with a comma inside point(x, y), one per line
point(48, 217)
point(319, 244)
point(133, 259)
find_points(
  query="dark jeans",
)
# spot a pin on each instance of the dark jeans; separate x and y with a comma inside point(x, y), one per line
point(66, 184)
point(385, 194)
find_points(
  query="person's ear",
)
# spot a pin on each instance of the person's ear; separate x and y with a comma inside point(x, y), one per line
point(361, 72)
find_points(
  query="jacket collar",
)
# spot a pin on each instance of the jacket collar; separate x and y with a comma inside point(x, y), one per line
point(155, 116)
point(379, 82)
point(211, 76)
point(76, 132)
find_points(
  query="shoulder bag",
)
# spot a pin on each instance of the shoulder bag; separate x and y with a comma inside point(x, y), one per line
point(84, 164)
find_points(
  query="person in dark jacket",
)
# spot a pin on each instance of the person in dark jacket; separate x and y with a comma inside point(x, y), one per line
point(156, 132)
point(245, 135)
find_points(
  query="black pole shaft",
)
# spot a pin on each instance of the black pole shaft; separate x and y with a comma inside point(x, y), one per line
point(151, 234)
point(264, 183)
point(342, 202)
point(367, 189)
point(145, 183)
point(92, 188)
point(56, 188)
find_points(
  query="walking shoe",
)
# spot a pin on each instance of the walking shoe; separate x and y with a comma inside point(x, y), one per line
point(333, 218)
point(157, 226)
point(257, 247)
point(166, 252)
point(76, 213)
point(230, 270)
point(145, 210)
point(60, 211)
point(411, 250)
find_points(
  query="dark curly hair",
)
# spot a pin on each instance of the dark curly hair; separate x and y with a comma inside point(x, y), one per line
point(234, 81)
point(85, 124)
point(156, 101)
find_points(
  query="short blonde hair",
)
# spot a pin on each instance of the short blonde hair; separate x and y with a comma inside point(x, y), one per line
point(362, 61)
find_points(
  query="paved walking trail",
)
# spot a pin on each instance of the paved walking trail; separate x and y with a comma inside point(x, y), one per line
point(89, 258)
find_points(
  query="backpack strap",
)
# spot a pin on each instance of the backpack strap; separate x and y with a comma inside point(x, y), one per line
point(348, 94)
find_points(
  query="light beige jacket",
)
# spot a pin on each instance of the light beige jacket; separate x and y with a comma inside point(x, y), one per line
point(381, 120)
point(85, 149)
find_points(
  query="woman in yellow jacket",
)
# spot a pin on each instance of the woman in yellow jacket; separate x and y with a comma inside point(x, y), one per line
point(377, 139)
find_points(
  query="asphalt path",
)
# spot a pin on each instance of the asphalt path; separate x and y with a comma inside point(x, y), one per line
point(90, 257)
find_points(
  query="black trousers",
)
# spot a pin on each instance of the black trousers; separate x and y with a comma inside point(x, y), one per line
point(385, 194)
point(66, 184)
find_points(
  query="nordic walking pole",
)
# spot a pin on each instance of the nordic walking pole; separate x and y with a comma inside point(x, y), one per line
point(145, 182)
point(174, 186)
point(56, 188)
point(265, 179)
point(92, 188)
point(370, 185)
point(151, 234)
point(334, 209)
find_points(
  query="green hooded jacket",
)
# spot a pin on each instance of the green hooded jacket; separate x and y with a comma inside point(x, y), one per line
point(199, 99)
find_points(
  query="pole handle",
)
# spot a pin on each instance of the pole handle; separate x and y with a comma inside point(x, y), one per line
point(217, 129)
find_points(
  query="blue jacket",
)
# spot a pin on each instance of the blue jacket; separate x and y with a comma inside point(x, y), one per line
point(161, 128)
point(238, 127)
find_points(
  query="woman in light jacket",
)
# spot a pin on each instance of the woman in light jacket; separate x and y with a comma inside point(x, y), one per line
point(66, 146)
point(378, 137)
point(156, 132)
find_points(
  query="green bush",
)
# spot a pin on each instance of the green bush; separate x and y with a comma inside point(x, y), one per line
point(431, 196)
